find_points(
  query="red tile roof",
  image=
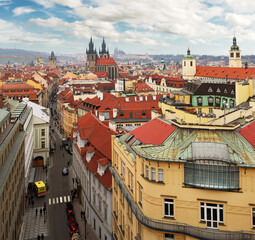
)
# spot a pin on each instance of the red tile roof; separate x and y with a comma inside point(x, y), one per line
point(105, 61)
point(248, 132)
point(143, 87)
point(225, 72)
point(103, 161)
point(98, 134)
point(153, 132)
point(101, 74)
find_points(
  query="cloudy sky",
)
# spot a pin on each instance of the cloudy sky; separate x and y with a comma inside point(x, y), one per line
point(135, 26)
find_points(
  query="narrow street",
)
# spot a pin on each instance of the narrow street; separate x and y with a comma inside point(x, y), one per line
point(59, 189)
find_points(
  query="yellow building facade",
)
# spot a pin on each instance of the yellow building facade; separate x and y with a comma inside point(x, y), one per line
point(70, 116)
point(195, 184)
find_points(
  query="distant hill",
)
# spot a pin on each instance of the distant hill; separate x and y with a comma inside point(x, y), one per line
point(26, 53)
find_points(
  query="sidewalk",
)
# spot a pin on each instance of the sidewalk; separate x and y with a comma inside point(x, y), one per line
point(90, 233)
point(36, 225)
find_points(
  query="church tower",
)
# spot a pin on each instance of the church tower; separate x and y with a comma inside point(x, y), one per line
point(52, 61)
point(188, 66)
point(91, 57)
point(235, 55)
point(104, 53)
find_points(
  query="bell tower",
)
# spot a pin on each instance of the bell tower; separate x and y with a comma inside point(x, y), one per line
point(235, 55)
point(91, 57)
point(104, 53)
point(52, 61)
point(188, 66)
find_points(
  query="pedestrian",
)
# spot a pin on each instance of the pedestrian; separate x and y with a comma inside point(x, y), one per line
point(40, 212)
point(36, 211)
point(42, 236)
point(29, 200)
point(68, 163)
point(38, 237)
point(44, 209)
point(81, 214)
point(33, 203)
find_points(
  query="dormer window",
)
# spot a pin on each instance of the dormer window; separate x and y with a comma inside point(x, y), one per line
point(90, 153)
point(102, 166)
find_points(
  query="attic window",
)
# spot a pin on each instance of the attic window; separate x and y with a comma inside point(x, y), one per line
point(143, 113)
point(136, 142)
point(129, 138)
point(121, 114)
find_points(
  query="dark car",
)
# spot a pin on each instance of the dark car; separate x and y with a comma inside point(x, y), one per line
point(69, 209)
point(65, 171)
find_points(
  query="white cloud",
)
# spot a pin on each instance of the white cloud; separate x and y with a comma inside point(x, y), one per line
point(5, 2)
point(68, 3)
point(44, 3)
point(22, 10)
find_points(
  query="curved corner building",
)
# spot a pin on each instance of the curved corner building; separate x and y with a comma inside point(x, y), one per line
point(173, 181)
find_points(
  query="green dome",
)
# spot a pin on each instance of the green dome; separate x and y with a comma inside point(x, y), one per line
point(234, 46)
point(188, 56)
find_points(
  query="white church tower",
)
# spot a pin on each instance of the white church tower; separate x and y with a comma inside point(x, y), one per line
point(188, 66)
point(235, 55)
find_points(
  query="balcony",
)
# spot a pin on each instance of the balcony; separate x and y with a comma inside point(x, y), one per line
point(165, 226)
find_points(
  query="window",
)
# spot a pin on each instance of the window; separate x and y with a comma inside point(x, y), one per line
point(210, 101)
point(184, 63)
point(169, 236)
point(160, 175)
point(140, 195)
point(42, 132)
point(253, 217)
point(153, 174)
point(42, 144)
point(191, 63)
point(210, 174)
point(169, 207)
point(13, 90)
point(199, 101)
point(147, 172)
point(231, 54)
point(210, 110)
point(237, 55)
point(212, 214)
point(123, 170)
point(26, 90)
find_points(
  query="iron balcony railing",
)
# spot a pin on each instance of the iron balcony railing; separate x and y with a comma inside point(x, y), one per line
point(176, 227)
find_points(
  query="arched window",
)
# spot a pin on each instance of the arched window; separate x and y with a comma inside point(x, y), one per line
point(184, 63)
point(191, 63)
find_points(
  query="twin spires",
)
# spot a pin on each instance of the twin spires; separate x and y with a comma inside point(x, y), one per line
point(103, 50)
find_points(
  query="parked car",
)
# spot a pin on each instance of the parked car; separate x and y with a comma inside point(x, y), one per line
point(65, 171)
point(69, 209)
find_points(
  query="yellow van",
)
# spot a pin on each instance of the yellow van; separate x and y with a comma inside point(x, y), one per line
point(40, 189)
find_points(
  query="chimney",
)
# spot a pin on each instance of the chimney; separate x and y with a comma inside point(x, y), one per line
point(115, 112)
point(101, 117)
point(113, 125)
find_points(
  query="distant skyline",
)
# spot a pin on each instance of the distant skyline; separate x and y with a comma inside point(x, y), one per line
point(134, 26)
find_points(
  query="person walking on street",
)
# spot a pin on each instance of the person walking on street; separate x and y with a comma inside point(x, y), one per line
point(40, 212)
point(36, 211)
point(38, 237)
point(33, 203)
point(42, 236)
point(81, 214)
